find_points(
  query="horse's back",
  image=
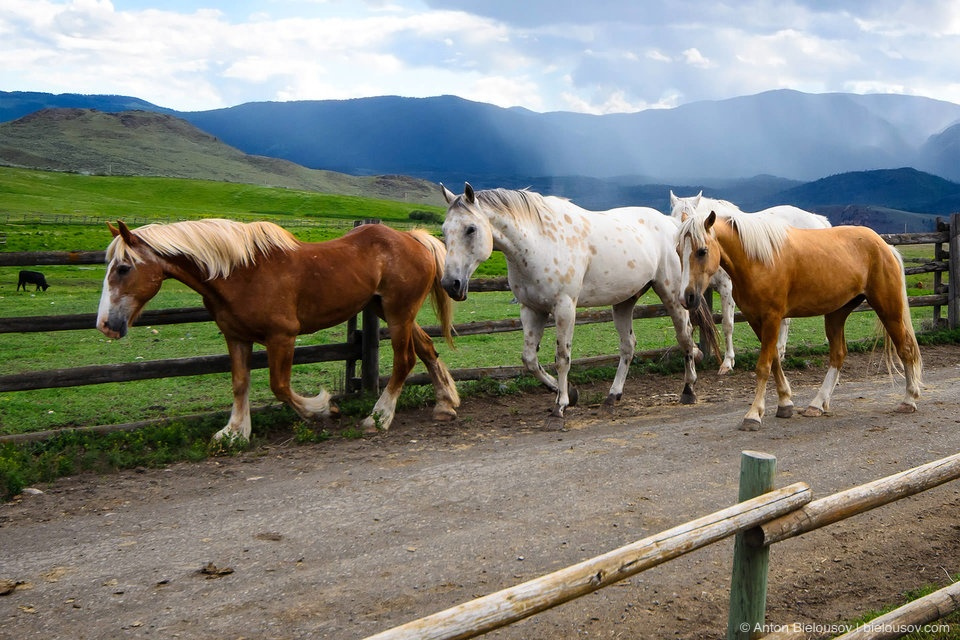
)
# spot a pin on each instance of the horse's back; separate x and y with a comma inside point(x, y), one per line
point(797, 217)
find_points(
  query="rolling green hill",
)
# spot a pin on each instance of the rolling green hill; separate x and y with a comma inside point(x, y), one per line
point(143, 143)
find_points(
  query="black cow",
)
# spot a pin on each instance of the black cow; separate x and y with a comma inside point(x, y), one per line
point(32, 277)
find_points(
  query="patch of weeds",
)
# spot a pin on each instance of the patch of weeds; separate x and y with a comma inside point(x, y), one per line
point(946, 628)
point(304, 433)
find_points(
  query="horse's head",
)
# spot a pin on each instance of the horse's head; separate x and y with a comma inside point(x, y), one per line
point(134, 276)
point(683, 208)
point(699, 254)
point(468, 237)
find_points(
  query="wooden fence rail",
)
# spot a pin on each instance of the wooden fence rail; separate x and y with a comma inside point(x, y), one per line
point(943, 295)
point(484, 614)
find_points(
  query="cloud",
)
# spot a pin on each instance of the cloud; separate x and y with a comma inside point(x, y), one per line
point(616, 55)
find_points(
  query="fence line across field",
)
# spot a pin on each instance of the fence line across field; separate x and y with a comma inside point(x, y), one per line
point(362, 346)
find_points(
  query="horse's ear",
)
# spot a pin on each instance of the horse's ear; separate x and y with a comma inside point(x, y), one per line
point(696, 203)
point(448, 195)
point(113, 230)
point(709, 221)
point(673, 199)
point(468, 193)
point(126, 234)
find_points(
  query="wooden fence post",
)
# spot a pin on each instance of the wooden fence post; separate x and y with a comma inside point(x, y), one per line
point(953, 283)
point(370, 360)
point(748, 584)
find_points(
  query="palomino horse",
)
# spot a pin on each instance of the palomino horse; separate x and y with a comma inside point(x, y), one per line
point(263, 285)
point(559, 257)
point(780, 271)
point(680, 208)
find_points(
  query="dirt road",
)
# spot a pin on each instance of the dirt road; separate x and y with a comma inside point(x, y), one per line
point(347, 538)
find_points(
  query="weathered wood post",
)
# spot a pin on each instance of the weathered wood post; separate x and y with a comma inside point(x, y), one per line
point(370, 360)
point(748, 584)
point(953, 292)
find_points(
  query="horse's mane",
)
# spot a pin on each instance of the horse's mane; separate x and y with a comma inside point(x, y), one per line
point(522, 205)
point(761, 237)
point(217, 246)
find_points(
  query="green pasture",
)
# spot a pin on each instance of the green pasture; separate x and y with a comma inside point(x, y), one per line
point(60, 212)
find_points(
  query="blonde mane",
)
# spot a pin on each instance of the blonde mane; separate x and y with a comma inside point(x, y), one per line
point(217, 246)
point(522, 206)
point(762, 237)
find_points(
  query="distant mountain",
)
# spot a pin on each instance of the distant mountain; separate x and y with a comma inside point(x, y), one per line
point(783, 133)
point(905, 189)
point(146, 143)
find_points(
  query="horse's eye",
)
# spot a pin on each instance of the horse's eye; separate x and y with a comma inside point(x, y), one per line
point(472, 229)
point(702, 252)
point(122, 269)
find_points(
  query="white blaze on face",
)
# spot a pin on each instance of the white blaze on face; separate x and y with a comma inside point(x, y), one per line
point(686, 251)
point(103, 311)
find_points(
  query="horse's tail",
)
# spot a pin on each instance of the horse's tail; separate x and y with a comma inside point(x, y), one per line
point(442, 303)
point(890, 355)
point(702, 319)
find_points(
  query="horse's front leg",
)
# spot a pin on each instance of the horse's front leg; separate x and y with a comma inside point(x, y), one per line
point(623, 321)
point(728, 309)
point(767, 332)
point(684, 331)
point(280, 361)
point(239, 424)
point(782, 337)
point(533, 325)
point(565, 315)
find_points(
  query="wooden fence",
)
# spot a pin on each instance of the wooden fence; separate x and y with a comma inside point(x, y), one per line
point(362, 345)
point(763, 517)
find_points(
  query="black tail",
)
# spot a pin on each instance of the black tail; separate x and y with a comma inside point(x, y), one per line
point(702, 319)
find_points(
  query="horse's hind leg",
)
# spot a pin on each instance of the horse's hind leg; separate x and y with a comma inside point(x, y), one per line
point(404, 358)
point(833, 324)
point(444, 387)
point(239, 424)
point(623, 321)
point(899, 330)
point(684, 330)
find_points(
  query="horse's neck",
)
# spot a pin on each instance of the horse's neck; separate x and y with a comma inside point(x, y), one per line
point(733, 257)
point(513, 236)
point(185, 270)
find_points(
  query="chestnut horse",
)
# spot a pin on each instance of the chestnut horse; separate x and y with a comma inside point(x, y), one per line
point(779, 271)
point(263, 285)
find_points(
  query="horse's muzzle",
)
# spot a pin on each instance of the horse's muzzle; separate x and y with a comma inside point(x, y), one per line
point(691, 299)
point(113, 328)
point(456, 288)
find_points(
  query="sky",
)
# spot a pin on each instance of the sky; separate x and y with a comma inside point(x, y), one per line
point(594, 57)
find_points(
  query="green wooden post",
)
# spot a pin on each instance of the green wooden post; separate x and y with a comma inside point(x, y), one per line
point(748, 584)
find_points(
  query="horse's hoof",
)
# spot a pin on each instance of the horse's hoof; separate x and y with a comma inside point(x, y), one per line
point(785, 412)
point(444, 415)
point(906, 407)
point(750, 424)
point(333, 411)
point(688, 396)
point(724, 370)
point(574, 396)
point(609, 404)
point(813, 412)
point(555, 423)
